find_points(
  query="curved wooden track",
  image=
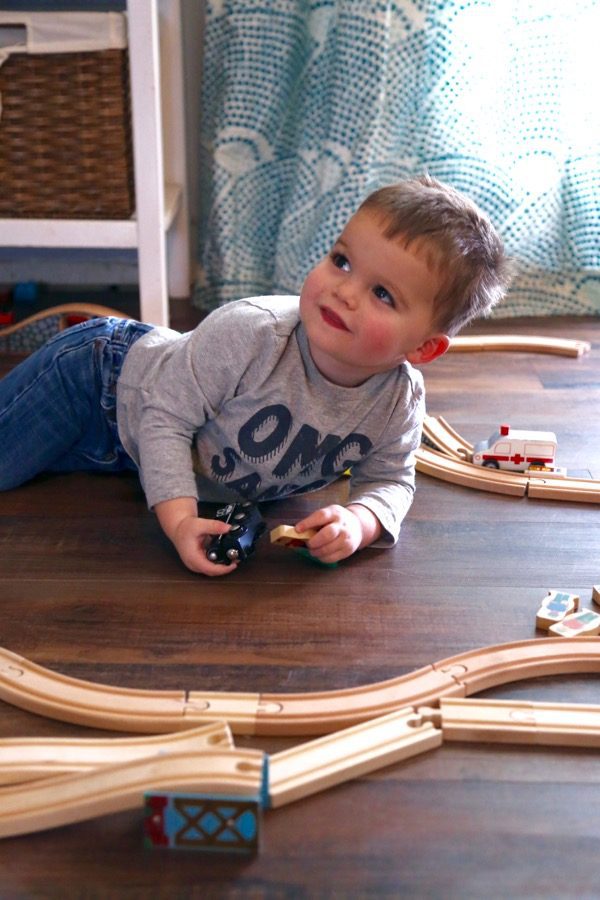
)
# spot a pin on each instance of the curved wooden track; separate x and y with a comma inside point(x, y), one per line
point(39, 690)
point(451, 463)
point(62, 313)
point(519, 342)
point(28, 759)
point(442, 436)
point(450, 468)
point(74, 798)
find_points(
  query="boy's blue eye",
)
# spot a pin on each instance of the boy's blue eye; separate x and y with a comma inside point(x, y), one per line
point(382, 294)
point(340, 261)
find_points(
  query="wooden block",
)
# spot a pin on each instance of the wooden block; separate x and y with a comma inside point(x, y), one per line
point(584, 622)
point(596, 594)
point(289, 537)
point(555, 606)
point(188, 821)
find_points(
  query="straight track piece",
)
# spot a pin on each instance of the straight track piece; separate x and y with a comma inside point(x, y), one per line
point(330, 760)
point(578, 490)
point(520, 722)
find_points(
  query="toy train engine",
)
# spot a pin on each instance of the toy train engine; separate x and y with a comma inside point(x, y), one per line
point(239, 543)
point(516, 450)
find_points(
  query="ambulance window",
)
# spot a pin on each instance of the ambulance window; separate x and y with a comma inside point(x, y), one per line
point(502, 447)
point(537, 449)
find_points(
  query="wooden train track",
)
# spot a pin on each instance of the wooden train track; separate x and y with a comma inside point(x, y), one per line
point(28, 759)
point(42, 691)
point(186, 764)
point(73, 798)
point(519, 342)
point(451, 463)
point(362, 728)
point(62, 313)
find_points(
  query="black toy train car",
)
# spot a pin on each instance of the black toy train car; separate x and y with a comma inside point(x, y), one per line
point(238, 544)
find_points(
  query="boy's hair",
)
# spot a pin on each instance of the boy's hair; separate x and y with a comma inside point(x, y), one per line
point(458, 241)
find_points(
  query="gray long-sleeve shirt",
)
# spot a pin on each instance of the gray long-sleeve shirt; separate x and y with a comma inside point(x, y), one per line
point(237, 409)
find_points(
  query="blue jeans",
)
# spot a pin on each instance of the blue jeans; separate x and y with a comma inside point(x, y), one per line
point(58, 407)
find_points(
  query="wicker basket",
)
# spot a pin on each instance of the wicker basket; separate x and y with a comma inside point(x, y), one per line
point(65, 136)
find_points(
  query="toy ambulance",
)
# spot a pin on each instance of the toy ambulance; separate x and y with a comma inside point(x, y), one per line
point(516, 450)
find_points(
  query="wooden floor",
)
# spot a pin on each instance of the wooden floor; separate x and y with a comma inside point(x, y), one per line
point(89, 587)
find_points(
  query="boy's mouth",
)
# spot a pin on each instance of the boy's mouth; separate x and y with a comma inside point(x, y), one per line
point(331, 318)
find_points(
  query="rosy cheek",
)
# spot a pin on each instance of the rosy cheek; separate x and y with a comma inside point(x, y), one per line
point(378, 340)
point(310, 289)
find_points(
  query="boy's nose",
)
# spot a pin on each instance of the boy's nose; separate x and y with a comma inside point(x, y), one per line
point(347, 294)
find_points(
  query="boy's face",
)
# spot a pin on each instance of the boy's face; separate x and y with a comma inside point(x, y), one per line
point(368, 306)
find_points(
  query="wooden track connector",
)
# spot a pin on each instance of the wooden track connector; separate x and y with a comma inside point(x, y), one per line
point(578, 624)
point(555, 606)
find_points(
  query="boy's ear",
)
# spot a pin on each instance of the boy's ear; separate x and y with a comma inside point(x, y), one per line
point(429, 350)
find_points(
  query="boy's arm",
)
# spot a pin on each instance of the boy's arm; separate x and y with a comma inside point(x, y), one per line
point(381, 491)
point(179, 520)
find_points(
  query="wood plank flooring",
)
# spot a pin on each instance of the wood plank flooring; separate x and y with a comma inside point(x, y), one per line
point(89, 587)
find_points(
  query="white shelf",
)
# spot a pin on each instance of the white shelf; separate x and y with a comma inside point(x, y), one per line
point(159, 230)
point(90, 233)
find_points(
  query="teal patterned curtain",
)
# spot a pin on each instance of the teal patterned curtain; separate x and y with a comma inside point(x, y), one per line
point(308, 106)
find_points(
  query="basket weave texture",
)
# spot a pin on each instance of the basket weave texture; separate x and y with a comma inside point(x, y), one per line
point(65, 136)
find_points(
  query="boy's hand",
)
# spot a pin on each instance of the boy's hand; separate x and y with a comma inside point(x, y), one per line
point(191, 538)
point(190, 535)
point(342, 531)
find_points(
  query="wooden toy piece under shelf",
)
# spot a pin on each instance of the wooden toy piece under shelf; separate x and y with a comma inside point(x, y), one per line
point(582, 623)
point(555, 606)
point(596, 594)
point(287, 536)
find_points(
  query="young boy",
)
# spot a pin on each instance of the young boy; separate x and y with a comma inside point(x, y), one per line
point(271, 396)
